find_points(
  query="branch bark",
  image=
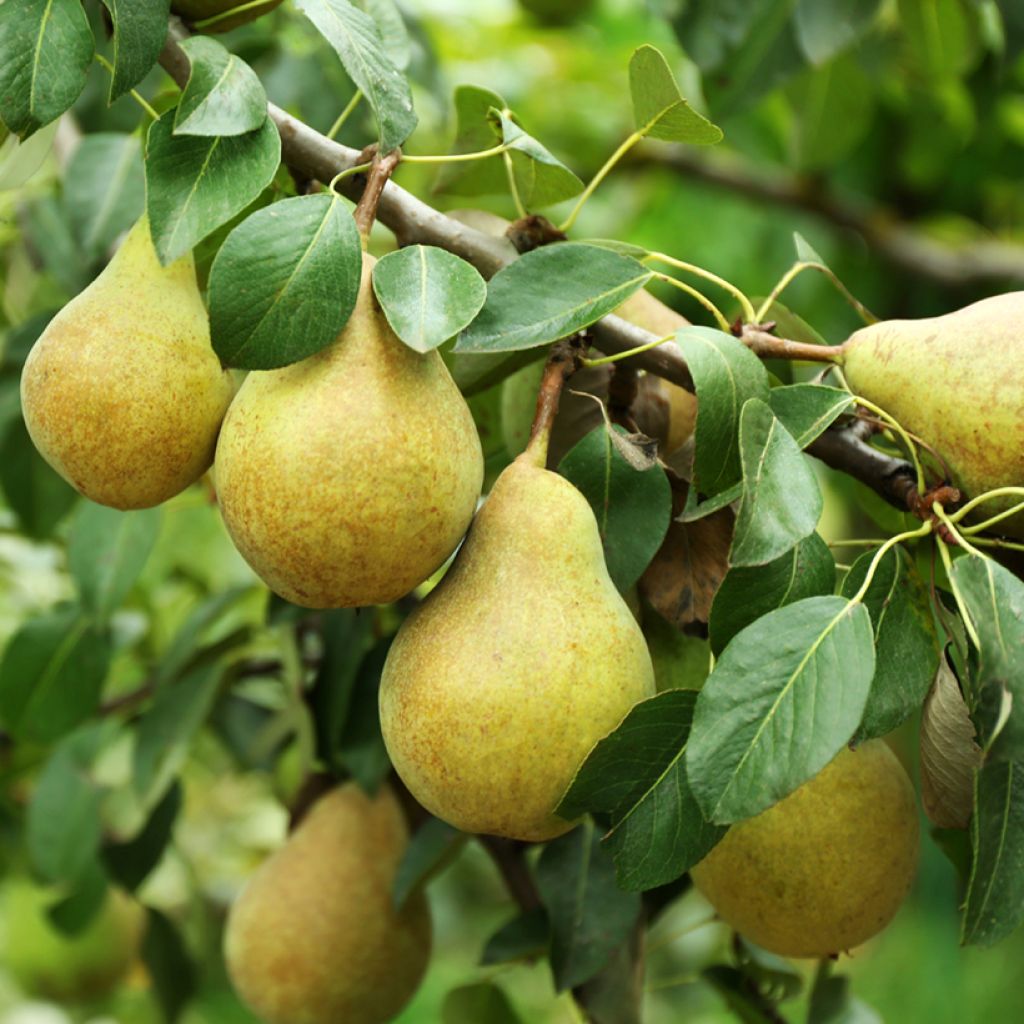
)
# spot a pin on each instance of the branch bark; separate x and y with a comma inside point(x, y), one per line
point(314, 157)
point(896, 241)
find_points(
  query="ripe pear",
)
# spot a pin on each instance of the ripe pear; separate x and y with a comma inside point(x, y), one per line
point(122, 393)
point(523, 657)
point(198, 10)
point(827, 867)
point(348, 478)
point(68, 968)
point(956, 381)
point(315, 938)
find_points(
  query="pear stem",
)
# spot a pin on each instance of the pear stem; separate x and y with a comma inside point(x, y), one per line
point(381, 169)
point(768, 346)
point(562, 364)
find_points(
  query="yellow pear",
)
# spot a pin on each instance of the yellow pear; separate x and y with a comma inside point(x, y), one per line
point(315, 938)
point(827, 867)
point(348, 478)
point(68, 968)
point(198, 10)
point(956, 381)
point(516, 664)
point(122, 393)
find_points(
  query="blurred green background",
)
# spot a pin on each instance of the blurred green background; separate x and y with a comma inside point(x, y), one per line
point(899, 158)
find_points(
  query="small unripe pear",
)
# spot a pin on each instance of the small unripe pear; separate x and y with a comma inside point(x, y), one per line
point(824, 869)
point(315, 938)
point(122, 394)
point(68, 968)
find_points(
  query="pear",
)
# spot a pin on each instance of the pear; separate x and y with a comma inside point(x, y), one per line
point(957, 382)
point(524, 656)
point(198, 10)
point(68, 968)
point(315, 938)
point(645, 310)
point(122, 393)
point(827, 867)
point(348, 478)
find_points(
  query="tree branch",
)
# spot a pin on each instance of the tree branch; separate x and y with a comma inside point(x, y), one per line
point(315, 157)
point(901, 244)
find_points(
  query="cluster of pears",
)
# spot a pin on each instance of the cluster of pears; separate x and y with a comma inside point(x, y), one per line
point(827, 867)
point(68, 968)
point(957, 382)
point(315, 937)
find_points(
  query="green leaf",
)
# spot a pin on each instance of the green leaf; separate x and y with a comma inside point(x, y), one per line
point(550, 293)
point(38, 496)
point(994, 906)
point(284, 282)
point(832, 1003)
point(659, 109)
point(393, 32)
point(781, 501)
point(46, 47)
point(808, 410)
point(787, 693)
point(995, 602)
point(745, 1001)
point(132, 861)
point(805, 252)
point(637, 775)
point(104, 190)
point(140, 28)
point(223, 96)
point(590, 915)
point(526, 937)
point(832, 112)
point(906, 642)
point(633, 505)
point(725, 374)
point(475, 131)
point(479, 1003)
point(166, 729)
point(541, 178)
point(433, 846)
point(20, 160)
point(62, 826)
point(169, 965)
point(355, 38)
point(806, 570)
point(107, 550)
point(52, 674)
point(940, 36)
point(73, 913)
point(428, 295)
point(826, 27)
point(194, 183)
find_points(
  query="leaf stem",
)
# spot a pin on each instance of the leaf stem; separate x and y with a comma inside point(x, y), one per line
point(512, 186)
point(224, 15)
point(798, 268)
point(346, 113)
point(346, 173)
point(720, 319)
point(997, 542)
point(450, 158)
point(630, 141)
point(998, 492)
point(922, 531)
point(604, 360)
point(737, 293)
point(940, 514)
point(957, 596)
point(136, 95)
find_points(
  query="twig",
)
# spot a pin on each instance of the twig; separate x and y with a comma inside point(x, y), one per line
point(509, 858)
point(381, 169)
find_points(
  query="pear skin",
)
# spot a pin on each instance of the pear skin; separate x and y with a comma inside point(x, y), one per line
point(68, 968)
point(348, 478)
point(824, 869)
point(650, 313)
point(122, 393)
point(523, 657)
point(956, 381)
point(314, 938)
